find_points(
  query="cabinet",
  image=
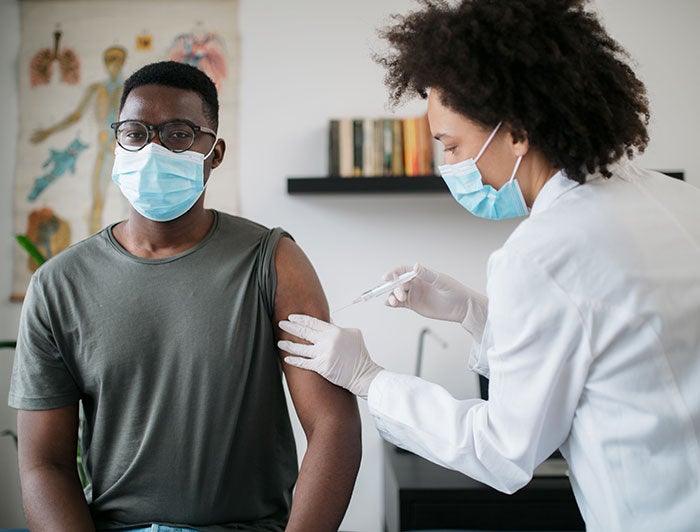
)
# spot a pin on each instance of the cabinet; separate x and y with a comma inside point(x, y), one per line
point(420, 495)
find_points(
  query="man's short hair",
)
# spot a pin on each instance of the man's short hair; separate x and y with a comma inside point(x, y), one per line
point(179, 76)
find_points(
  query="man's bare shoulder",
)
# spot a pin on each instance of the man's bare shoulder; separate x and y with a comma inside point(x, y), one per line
point(298, 286)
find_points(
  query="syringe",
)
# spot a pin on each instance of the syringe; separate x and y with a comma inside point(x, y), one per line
point(381, 289)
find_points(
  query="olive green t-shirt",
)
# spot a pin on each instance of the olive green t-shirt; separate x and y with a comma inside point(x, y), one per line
point(175, 363)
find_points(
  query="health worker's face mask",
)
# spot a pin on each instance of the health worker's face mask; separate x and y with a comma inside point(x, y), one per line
point(467, 187)
point(160, 184)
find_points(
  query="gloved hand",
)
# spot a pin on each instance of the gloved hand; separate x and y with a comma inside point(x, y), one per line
point(431, 294)
point(336, 354)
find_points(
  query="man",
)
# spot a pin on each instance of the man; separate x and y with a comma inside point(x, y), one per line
point(163, 326)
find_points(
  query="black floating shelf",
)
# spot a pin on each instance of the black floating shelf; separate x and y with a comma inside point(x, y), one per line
point(378, 185)
point(392, 184)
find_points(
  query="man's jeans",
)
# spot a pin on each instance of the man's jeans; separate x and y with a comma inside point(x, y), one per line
point(161, 528)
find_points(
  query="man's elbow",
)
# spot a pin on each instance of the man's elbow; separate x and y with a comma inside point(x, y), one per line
point(347, 425)
point(342, 428)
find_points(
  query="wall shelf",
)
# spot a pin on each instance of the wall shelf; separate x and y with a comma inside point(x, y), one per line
point(373, 185)
point(386, 185)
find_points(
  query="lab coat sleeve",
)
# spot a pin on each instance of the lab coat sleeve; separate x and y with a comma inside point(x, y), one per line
point(538, 358)
point(475, 322)
point(477, 312)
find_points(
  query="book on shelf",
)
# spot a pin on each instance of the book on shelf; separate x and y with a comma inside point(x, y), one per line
point(358, 135)
point(410, 152)
point(368, 147)
point(397, 148)
point(387, 145)
point(345, 148)
point(424, 144)
point(373, 147)
point(334, 147)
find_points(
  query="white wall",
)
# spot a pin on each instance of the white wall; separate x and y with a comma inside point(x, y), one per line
point(10, 501)
point(306, 61)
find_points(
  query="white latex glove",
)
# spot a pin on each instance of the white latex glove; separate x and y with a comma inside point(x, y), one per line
point(431, 294)
point(336, 354)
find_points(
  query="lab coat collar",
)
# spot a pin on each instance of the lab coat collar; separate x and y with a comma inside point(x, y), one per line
point(556, 186)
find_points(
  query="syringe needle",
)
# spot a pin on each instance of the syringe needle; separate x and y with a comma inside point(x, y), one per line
point(341, 308)
point(346, 306)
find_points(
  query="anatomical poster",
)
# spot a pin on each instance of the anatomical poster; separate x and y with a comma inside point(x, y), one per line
point(74, 57)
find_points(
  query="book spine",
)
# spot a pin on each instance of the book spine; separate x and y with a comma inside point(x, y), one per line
point(397, 157)
point(378, 147)
point(334, 147)
point(357, 131)
point(410, 154)
point(425, 146)
point(419, 147)
point(346, 147)
point(346, 143)
point(387, 145)
point(368, 147)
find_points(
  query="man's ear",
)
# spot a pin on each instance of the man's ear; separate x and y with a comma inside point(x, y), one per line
point(218, 153)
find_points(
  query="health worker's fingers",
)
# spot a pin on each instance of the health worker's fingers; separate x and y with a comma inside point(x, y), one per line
point(391, 301)
point(424, 274)
point(307, 351)
point(300, 331)
point(395, 272)
point(401, 292)
point(310, 322)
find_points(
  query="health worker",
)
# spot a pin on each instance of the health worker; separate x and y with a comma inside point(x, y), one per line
point(590, 327)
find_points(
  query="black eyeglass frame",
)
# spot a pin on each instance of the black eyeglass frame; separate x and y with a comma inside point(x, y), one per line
point(151, 129)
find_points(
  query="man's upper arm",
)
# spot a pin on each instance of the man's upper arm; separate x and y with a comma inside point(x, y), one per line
point(52, 494)
point(47, 437)
point(41, 379)
point(299, 292)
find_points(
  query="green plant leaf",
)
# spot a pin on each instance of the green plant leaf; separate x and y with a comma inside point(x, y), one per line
point(11, 434)
point(7, 344)
point(81, 468)
point(28, 245)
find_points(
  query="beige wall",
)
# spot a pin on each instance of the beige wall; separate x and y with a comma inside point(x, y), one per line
point(10, 503)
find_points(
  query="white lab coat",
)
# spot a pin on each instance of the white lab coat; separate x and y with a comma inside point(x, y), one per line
point(592, 345)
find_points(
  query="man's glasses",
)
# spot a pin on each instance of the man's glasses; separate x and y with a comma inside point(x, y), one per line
point(177, 136)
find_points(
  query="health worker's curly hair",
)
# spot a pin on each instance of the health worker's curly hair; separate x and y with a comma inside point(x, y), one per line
point(546, 68)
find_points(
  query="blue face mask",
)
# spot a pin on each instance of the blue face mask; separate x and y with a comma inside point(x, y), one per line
point(160, 184)
point(467, 187)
